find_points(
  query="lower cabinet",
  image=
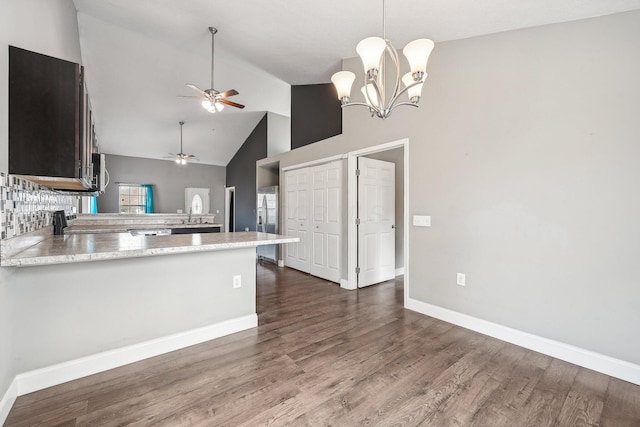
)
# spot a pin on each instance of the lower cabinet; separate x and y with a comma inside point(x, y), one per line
point(313, 212)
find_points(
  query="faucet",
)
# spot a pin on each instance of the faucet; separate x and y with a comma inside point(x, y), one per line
point(189, 220)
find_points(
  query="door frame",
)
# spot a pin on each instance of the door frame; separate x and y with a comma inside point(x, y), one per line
point(227, 207)
point(352, 211)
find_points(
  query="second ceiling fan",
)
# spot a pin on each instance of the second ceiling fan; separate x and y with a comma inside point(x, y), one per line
point(212, 100)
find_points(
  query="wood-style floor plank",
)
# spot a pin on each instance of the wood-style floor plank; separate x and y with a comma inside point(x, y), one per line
point(323, 356)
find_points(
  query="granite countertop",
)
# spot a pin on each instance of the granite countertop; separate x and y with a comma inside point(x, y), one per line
point(105, 246)
point(123, 228)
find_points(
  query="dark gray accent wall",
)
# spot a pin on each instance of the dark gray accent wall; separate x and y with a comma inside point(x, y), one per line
point(315, 114)
point(241, 174)
point(169, 181)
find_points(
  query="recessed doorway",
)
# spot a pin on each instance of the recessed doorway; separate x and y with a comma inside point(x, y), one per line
point(396, 152)
point(230, 209)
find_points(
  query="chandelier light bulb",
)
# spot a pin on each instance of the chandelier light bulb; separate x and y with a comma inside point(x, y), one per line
point(417, 53)
point(370, 51)
point(178, 161)
point(414, 92)
point(343, 81)
point(370, 96)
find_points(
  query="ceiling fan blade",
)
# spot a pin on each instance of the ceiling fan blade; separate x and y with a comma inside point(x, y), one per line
point(197, 89)
point(232, 104)
point(226, 94)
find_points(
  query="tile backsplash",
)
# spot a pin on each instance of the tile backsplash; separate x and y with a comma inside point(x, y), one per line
point(26, 207)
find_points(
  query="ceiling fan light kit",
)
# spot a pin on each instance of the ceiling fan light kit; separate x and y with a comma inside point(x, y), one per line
point(212, 100)
point(181, 158)
point(372, 52)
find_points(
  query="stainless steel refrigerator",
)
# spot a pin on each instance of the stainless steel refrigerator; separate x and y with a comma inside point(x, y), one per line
point(267, 220)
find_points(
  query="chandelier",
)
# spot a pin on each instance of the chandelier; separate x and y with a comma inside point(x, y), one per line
point(372, 52)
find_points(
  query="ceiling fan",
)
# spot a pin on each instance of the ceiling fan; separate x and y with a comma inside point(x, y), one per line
point(181, 158)
point(212, 100)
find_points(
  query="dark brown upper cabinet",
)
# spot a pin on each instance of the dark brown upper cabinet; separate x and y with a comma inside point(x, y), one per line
point(47, 119)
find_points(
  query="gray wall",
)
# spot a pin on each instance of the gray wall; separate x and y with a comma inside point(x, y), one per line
point(396, 156)
point(278, 134)
point(86, 308)
point(241, 173)
point(21, 25)
point(169, 181)
point(524, 152)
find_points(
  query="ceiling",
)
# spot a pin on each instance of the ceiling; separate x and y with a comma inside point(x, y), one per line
point(138, 56)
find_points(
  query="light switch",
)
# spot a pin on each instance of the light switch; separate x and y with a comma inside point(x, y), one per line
point(421, 221)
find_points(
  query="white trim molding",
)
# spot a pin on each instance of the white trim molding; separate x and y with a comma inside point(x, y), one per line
point(7, 400)
point(399, 271)
point(314, 162)
point(578, 356)
point(38, 379)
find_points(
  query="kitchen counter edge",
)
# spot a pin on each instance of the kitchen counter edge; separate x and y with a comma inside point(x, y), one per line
point(100, 247)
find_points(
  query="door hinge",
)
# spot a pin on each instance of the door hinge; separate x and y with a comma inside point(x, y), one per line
point(357, 270)
point(357, 172)
point(357, 221)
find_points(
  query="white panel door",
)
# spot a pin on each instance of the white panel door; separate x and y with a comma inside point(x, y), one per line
point(376, 231)
point(297, 219)
point(326, 220)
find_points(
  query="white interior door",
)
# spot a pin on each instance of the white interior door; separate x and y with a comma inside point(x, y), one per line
point(326, 220)
point(297, 219)
point(376, 212)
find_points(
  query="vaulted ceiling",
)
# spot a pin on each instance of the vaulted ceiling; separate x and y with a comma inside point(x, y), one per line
point(138, 56)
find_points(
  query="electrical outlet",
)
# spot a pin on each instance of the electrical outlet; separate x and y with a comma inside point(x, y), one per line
point(237, 281)
point(460, 279)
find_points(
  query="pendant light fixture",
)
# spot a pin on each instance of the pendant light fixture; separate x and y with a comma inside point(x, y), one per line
point(378, 98)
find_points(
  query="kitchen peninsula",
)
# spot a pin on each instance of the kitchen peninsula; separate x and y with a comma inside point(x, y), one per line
point(92, 302)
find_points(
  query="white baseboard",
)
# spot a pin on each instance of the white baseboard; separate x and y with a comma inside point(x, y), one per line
point(38, 379)
point(280, 263)
point(598, 362)
point(7, 401)
point(399, 271)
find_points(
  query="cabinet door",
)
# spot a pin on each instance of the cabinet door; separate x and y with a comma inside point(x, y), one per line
point(44, 115)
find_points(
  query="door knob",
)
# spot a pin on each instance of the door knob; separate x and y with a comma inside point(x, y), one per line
point(393, 226)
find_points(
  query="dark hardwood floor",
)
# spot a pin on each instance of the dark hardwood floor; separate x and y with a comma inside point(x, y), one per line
point(323, 356)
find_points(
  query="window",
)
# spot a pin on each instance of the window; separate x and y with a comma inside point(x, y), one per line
point(134, 198)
